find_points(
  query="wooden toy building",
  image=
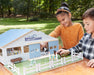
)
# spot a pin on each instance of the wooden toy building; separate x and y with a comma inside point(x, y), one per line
point(24, 43)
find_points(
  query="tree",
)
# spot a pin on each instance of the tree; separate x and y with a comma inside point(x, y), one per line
point(79, 7)
point(43, 8)
point(3, 5)
point(28, 9)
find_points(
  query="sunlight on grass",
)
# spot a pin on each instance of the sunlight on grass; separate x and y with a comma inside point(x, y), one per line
point(1, 19)
point(22, 26)
point(22, 20)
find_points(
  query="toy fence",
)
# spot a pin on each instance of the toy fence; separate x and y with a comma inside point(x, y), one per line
point(51, 64)
point(13, 68)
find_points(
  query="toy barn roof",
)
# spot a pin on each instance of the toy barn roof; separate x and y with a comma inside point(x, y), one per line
point(11, 35)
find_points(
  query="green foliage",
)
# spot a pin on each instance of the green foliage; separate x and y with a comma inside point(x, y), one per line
point(34, 19)
point(20, 7)
point(45, 15)
point(43, 8)
point(4, 5)
point(79, 7)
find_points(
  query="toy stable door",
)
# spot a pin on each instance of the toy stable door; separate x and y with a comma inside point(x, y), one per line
point(34, 51)
point(53, 46)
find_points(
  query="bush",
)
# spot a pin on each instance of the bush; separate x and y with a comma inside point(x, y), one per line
point(34, 19)
point(45, 15)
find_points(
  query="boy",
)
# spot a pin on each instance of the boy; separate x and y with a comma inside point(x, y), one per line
point(86, 44)
point(70, 33)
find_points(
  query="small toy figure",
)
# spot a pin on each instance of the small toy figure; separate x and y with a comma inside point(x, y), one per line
point(57, 55)
point(49, 56)
point(53, 57)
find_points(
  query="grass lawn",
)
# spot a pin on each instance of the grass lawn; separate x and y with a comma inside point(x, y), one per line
point(44, 25)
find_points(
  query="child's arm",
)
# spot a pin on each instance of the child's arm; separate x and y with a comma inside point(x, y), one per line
point(77, 48)
point(91, 63)
point(56, 32)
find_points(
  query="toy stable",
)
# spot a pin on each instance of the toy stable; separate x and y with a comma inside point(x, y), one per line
point(24, 43)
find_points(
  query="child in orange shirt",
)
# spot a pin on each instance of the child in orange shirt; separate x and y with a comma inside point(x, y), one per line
point(86, 44)
point(69, 32)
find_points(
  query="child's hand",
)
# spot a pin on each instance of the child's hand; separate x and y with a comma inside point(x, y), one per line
point(63, 51)
point(91, 63)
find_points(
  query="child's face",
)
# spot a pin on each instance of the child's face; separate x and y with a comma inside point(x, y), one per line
point(89, 25)
point(64, 19)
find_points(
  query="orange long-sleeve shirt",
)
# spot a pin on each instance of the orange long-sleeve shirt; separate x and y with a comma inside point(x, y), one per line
point(70, 36)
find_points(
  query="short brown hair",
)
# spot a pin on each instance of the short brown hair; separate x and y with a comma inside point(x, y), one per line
point(89, 13)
